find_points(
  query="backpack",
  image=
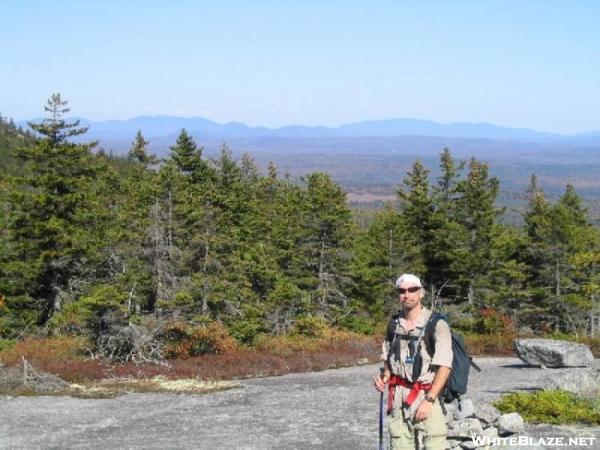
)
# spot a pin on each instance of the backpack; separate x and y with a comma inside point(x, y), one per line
point(461, 361)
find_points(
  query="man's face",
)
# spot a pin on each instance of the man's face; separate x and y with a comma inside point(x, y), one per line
point(410, 295)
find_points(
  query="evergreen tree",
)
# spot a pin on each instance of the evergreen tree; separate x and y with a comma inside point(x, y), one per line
point(382, 252)
point(441, 252)
point(187, 157)
point(56, 129)
point(55, 221)
point(327, 230)
point(556, 235)
point(139, 151)
point(417, 208)
point(477, 215)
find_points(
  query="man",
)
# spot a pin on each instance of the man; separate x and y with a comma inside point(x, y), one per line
point(413, 400)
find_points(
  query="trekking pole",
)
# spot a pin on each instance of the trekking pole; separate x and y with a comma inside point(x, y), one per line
point(381, 414)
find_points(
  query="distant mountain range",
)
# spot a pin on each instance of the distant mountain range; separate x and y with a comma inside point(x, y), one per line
point(373, 156)
point(169, 126)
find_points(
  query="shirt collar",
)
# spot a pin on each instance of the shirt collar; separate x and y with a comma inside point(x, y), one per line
point(421, 320)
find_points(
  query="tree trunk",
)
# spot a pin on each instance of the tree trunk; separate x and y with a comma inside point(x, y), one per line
point(204, 308)
point(390, 249)
point(322, 276)
point(470, 295)
point(557, 279)
point(170, 233)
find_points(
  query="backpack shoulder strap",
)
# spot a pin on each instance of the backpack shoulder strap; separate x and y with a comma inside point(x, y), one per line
point(391, 327)
point(430, 332)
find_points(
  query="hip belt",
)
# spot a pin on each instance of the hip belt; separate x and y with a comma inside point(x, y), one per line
point(415, 388)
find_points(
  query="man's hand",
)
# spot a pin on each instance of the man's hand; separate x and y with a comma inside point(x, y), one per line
point(381, 380)
point(423, 411)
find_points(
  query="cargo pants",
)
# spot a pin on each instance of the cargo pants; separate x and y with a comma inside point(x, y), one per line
point(431, 432)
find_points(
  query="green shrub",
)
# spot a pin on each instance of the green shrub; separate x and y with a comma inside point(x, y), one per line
point(357, 324)
point(310, 326)
point(483, 321)
point(551, 407)
point(245, 330)
point(94, 311)
point(5, 344)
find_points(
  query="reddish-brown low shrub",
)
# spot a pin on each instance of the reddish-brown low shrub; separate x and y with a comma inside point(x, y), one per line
point(499, 344)
point(184, 341)
point(41, 350)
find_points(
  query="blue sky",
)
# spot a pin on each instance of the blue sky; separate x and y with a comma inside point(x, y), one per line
point(531, 64)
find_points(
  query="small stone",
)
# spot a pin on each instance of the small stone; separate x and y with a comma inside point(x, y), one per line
point(486, 413)
point(451, 407)
point(470, 445)
point(453, 442)
point(510, 423)
point(490, 433)
point(467, 409)
point(465, 428)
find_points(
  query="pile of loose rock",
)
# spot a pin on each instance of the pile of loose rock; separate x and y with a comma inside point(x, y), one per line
point(24, 378)
point(481, 426)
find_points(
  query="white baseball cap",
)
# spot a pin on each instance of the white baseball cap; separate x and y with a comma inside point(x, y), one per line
point(409, 278)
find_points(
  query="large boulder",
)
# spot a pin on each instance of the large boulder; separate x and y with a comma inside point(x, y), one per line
point(584, 382)
point(553, 353)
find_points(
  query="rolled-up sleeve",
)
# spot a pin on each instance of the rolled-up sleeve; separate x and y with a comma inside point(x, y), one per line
point(385, 348)
point(443, 345)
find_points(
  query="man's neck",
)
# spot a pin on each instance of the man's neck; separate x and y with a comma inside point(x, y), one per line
point(413, 313)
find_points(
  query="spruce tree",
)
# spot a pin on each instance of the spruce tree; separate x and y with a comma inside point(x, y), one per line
point(56, 129)
point(477, 215)
point(324, 242)
point(417, 208)
point(382, 252)
point(440, 251)
point(55, 217)
point(187, 156)
point(558, 236)
point(139, 151)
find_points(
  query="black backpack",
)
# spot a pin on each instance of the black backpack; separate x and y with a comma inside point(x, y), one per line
point(461, 361)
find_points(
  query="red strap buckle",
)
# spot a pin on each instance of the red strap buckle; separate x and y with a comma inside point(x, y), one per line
point(415, 388)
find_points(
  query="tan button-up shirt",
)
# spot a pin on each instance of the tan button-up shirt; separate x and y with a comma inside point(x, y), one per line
point(442, 355)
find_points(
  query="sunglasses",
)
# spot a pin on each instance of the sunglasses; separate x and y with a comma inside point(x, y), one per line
point(411, 289)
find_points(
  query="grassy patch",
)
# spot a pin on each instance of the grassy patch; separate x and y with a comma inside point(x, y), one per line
point(113, 387)
point(551, 407)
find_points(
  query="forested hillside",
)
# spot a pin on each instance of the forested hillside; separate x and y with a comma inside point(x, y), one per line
point(90, 243)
